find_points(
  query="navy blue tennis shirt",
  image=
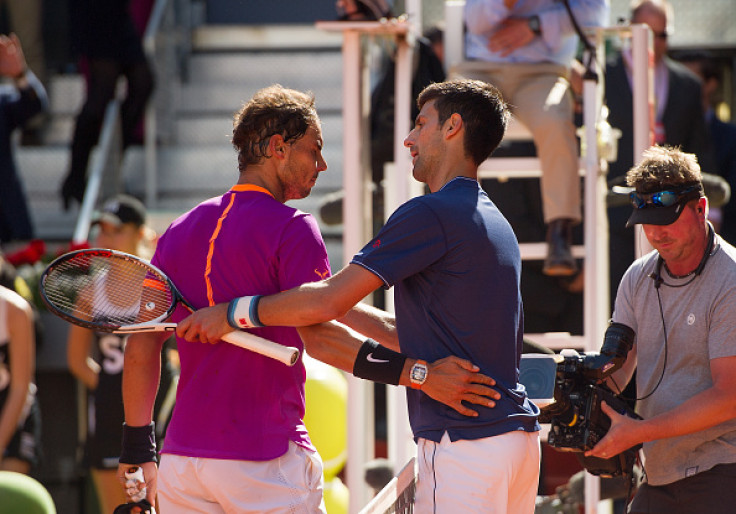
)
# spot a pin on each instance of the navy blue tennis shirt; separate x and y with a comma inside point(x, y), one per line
point(455, 263)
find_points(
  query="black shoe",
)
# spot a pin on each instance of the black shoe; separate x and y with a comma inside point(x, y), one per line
point(72, 189)
point(559, 261)
point(31, 137)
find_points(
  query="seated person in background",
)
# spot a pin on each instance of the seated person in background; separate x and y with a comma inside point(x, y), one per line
point(525, 49)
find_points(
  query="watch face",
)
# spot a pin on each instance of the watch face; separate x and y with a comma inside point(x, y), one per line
point(418, 372)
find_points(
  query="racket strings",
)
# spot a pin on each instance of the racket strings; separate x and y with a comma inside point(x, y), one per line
point(109, 290)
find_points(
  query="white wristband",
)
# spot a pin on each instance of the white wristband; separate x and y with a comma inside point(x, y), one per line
point(243, 312)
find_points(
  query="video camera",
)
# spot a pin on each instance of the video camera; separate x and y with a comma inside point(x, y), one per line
point(577, 421)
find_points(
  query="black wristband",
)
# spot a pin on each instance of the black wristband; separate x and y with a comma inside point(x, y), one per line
point(378, 363)
point(139, 444)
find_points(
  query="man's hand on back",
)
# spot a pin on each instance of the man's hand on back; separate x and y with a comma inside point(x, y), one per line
point(453, 380)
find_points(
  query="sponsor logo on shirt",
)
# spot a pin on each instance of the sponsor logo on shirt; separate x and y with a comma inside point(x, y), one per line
point(322, 274)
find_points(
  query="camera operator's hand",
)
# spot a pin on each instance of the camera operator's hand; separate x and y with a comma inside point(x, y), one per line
point(622, 435)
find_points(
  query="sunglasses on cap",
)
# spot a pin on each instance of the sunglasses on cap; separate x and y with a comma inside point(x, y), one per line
point(661, 198)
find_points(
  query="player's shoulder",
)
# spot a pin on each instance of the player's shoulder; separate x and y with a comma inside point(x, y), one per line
point(726, 256)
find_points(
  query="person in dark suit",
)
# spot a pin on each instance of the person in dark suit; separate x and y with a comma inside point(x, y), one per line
point(722, 133)
point(20, 100)
point(679, 120)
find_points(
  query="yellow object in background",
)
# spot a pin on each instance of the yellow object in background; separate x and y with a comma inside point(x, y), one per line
point(337, 498)
point(326, 416)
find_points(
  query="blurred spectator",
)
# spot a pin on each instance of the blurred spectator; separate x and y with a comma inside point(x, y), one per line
point(105, 36)
point(19, 101)
point(722, 133)
point(363, 10)
point(526, 48)
point(19, 415)
point(679, 120)
point(96, 359)
point(26, 18)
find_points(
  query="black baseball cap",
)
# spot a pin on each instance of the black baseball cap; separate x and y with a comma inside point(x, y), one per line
point(122, 209)
point(662, 207)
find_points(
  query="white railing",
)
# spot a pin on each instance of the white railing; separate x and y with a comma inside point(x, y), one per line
point(105, 165)
point(167, 43)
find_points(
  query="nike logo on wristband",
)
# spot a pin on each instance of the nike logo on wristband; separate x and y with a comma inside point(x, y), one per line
point(370, 358)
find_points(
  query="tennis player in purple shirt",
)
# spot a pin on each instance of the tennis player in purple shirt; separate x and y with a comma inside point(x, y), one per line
point(237, 441)
point(455, 264)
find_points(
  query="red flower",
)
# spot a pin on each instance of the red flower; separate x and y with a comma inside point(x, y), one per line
point(28, 255)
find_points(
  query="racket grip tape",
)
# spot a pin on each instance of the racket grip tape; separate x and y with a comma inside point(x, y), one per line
point(286, 354)
point(133, 477)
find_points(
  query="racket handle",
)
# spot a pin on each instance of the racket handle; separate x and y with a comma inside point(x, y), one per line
point(286, 354)
point(134, 476)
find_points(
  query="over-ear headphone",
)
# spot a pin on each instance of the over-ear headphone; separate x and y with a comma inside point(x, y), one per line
point(657, 275)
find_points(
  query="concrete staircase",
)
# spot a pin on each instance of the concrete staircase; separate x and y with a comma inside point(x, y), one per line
point(224, 69)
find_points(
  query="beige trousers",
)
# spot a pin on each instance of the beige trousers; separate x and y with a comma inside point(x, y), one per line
point(539, 97)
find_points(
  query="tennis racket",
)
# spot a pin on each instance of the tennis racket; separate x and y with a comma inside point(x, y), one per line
point(116, 292)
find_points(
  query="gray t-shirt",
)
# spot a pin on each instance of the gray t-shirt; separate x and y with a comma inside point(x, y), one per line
point(700, 320)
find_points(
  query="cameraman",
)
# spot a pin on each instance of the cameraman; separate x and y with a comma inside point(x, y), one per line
point(680, 301)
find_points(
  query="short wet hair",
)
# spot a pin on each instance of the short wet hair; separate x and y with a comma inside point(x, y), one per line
point(272, 110)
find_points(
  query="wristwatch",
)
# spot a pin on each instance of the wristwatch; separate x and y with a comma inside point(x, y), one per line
point(418, 374)
point(534, 25)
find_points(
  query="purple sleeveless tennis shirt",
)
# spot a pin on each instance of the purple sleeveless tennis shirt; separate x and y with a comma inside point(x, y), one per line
point(232, 403)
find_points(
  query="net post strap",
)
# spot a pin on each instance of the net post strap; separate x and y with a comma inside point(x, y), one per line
point(398, 495)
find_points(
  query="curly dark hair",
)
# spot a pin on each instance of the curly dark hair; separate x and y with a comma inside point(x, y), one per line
point(272, 110)
point(484, 112)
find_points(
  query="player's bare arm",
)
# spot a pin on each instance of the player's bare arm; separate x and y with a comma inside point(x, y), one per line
point(373, 322)
point(308, 304)
point(451, 380)
point(141, 371)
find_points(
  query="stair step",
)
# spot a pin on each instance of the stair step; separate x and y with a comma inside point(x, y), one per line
point(217, 128)
point(198, 98)
point(66, 94)
point(205, 170)
point(319, 67)
point(251, 37)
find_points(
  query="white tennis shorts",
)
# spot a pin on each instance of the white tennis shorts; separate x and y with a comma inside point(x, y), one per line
point(291, 483)
point(498, 474)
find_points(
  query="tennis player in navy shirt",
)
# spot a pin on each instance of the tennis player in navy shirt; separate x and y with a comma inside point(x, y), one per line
point(455, 264)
